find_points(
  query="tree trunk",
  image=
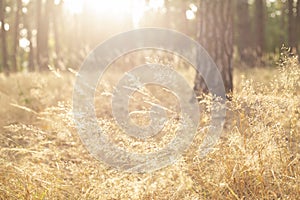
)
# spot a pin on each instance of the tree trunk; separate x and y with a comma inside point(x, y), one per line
point(282, 23)
point(291, 26)
point(260, 26)
point(57, 17)
point(16, 36)
point(245, 35)
point(3, 38)
point(298, 18)
point(298, 29)
point(43, 14)
point(31, 65)
point(31, 57)
point(39, 32)
point(216, 36)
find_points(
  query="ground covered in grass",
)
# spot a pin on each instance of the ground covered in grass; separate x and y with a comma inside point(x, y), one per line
point(258, 156)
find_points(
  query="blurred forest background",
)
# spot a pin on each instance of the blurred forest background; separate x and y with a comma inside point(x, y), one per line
point(258, 153)
point(38, 34)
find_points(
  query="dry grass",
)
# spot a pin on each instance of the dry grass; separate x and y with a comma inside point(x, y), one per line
point(258, 156)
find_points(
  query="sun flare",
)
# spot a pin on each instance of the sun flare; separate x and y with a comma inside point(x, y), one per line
point(113, 8)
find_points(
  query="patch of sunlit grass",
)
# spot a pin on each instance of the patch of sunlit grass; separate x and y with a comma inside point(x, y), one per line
point(42, 157)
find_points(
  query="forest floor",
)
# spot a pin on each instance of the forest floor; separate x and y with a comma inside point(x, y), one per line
point(257, 157)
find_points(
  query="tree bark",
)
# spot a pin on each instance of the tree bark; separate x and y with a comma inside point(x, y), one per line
point(298, 18)
point(43, 15)
point(31, 65)
point(298, 28)
point(31, 55)
point(57, 17)
point(39, 31)
point(16, 36)
point(260, 26)
point(3, 38)
point(245, 36)
point(215, 34)
point(291, 26)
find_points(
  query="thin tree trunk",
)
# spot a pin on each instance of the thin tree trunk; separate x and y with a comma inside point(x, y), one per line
point(282, 22)
point(291, 26)
point(260, 26)
point(31, 57)
point(39, 32)
point(16, 36)
point(43, 33)
point(3, 38)
point(44, 59)
point(56, 17)
point(216, 36)
point(298, 29)
point(298, 18)
point(245, 35)
point(31, 65)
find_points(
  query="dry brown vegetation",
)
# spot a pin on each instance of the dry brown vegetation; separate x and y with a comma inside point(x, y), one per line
point(258, 156)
